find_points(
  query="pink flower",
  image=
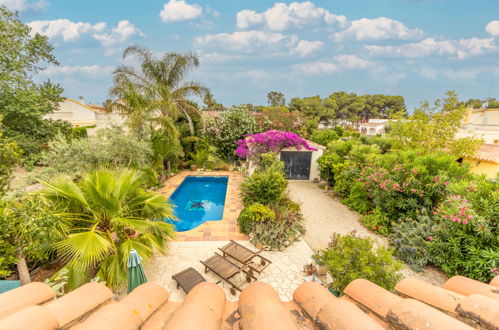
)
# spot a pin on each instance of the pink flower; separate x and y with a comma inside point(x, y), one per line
point(414, 171)
point(435, 179)
point(465, 222)
point(446, 183)
point(430, 238)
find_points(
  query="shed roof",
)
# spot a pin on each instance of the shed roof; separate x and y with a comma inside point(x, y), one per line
point(462, 303)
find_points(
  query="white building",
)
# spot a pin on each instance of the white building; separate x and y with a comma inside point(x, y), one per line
point(481, 123)
point(373, 127)
point(80, 114)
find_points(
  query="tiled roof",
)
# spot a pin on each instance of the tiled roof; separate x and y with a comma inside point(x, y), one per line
point(488, 152)
point(461, 303)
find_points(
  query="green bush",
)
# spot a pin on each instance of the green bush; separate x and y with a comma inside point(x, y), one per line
point(285, 229)
point(10, 156)
point(326, 164)
point(255, 213)
point(410, 239)
point(323, 137)
point(264, 187)
point(351, 257)
point(377, 221)
point(109, 147)
point(80, 132)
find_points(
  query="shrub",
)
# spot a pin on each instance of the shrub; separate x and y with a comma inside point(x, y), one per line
point(108, 147)
point(324, 136)
point(263, 187)
point(326, 164)
point(285, 229)
point(410, 239)
point(464, 242)
point(255, 213)
point(351, 257)
point(377, 221)
point(80, 132)
point(10, 156)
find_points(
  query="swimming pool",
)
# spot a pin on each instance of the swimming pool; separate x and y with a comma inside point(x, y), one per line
point(199, 199)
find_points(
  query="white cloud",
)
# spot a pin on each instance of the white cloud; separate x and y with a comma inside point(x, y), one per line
point(338, 63)
point(247, 41)
point(284, 16)
point(493, 28)
point(429, 73)
point(305, 47)
point(352, 62)
point(316, 68)
point(22, 5)
point(216, 57)
point(118, 34)
point(64, 28)
point(179, 10)
point(84, 70)
point(380, 28)
point(461, 49)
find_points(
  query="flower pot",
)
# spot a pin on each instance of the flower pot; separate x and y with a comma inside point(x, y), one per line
point(194, 167)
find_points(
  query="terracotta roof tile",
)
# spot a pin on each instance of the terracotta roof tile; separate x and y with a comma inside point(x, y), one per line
point(488, 152)
point(467, 286)
point(364, 306)
point(413, 314)
point(145, 299)
point(30, 294)
point(430, 294)
point(109, 317)
point(207, 301)
point(371, 296)
point(261, 308)
point(31, 317)
point(78, 302)
point(483, 310)
point(495, 281)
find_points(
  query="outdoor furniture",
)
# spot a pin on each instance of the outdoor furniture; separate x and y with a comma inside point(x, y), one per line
point(227, 270)
point(188, 279)
point(245, 256)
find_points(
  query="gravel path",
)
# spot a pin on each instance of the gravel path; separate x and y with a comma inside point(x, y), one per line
point(325, 215)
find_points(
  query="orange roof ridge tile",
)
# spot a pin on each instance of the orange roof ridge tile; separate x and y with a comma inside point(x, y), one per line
point(76, 303)
point(114, 315)
point(28, 317)
point(467, 286)
point(430, 294)
point(372, 296)
point(495, 281)
point(482, 309)
point(33, 293)
point(413, 314)
point(146, 299)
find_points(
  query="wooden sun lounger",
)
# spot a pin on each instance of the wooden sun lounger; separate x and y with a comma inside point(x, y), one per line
point(245, 256)
point(226, 270)
point(188, 279)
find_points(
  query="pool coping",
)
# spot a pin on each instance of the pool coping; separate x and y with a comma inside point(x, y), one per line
point(220, 230)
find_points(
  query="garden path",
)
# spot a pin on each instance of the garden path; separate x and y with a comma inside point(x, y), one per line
point(325, 215)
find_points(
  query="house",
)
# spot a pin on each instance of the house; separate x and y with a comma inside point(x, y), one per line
point(301, 164)
point(80, 114)
point(481, 123)
point(461, 304)
point(485, 161)
point(373, 127)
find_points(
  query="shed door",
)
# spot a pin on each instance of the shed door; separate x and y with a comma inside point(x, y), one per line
point(297, 164)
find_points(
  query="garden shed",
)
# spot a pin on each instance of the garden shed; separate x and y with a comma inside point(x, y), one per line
point(301, 164)
point(298, 155)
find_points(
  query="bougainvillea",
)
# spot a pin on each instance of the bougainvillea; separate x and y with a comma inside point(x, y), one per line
point(270, 141)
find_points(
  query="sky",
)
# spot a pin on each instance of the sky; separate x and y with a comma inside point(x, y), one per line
point(415, 48)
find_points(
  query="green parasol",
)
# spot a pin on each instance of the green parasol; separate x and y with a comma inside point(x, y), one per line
point(136, 274)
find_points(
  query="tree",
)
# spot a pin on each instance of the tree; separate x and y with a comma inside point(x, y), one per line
point(313, 107)
point(210, 104)
point(276, 99)
point(433, 127)
point(29, 229)
point(110, 214)
point(9, 159)
point(24, 103)
point(156, 93)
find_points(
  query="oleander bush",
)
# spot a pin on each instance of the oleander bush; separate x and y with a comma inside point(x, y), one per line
point(352, 256)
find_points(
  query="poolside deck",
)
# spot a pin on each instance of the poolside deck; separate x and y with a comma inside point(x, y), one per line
point(223, 230)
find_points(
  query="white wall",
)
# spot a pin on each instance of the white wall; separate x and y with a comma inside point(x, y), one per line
point(75, 113)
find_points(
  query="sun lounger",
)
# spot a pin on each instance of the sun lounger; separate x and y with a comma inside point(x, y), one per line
point(245, 256)
point(227, 270)
point(188, 279)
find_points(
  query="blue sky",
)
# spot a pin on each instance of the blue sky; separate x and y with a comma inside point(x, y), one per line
point(414, 48)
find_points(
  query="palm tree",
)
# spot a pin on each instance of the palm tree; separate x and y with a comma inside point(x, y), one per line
point(160, 83)
point(110, 213)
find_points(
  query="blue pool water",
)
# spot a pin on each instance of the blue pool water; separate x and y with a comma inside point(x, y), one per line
point(199, 199)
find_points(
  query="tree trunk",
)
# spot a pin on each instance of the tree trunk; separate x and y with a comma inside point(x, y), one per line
point(22, 267)
point(168, 165)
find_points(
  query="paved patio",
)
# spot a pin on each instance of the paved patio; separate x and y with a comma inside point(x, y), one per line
point(285, 273)
point(223, 230)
